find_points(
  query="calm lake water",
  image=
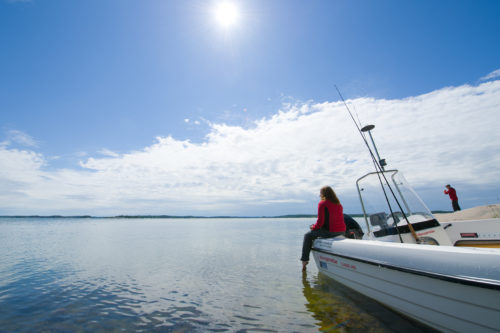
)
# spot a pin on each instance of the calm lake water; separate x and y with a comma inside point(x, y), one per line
point(173, 275)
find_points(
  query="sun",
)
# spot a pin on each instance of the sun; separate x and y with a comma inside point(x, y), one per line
point(226, 14)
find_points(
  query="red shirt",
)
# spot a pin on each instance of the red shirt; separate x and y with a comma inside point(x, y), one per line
point(335, 221)
point(452, 193)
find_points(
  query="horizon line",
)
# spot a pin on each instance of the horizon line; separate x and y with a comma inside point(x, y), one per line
point(164, 216)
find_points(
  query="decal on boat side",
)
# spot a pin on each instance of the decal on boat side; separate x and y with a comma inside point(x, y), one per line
point(348, 265)
point(425, 233)
point(324, 264)
point(329, 260)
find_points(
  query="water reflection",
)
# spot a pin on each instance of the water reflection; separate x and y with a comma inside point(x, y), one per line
point(337, 308)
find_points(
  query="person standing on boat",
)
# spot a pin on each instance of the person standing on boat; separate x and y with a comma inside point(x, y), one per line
point(330, 222)
point(453, 196)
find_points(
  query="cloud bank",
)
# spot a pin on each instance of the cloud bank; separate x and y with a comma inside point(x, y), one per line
point(275, 166)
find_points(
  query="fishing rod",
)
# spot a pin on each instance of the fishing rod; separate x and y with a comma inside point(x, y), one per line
point(380, 165)
point(376, 165)
point(380, 171)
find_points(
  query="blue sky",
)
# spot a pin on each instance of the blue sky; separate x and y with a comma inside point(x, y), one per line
point(136, 107)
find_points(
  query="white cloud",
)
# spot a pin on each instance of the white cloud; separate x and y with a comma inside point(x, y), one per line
point(493, 75)
point(277, 165)
point(107, 152)
point(20, 138)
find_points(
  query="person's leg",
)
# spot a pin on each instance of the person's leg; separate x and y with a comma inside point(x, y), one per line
point(309, 237)
point(455, 205)
point(308, 242)
point(304, 265)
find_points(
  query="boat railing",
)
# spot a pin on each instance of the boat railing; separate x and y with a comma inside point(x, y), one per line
point(388, 201)
point(377, 218)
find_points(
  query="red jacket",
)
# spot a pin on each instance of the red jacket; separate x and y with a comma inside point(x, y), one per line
point(335, 222)
point(452, 193)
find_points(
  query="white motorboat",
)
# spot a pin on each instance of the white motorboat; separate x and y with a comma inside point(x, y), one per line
point(448, 288)
point(407, 261)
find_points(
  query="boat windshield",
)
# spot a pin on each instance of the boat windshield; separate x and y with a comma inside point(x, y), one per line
point(381, 209)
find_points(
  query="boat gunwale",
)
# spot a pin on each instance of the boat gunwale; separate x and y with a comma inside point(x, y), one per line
point(470, 281)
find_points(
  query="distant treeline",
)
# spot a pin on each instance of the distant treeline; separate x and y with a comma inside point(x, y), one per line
point(179, 216)
point(163, 216)
point(49, 216)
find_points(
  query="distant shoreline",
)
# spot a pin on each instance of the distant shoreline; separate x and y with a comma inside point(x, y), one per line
point(164, 216)
point(154, 217)
point(480, 212)
point(179, 216)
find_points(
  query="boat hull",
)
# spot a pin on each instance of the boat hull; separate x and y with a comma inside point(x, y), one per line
point(455, 290)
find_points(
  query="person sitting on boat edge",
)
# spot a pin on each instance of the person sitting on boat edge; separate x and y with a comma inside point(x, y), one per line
point(330, 222)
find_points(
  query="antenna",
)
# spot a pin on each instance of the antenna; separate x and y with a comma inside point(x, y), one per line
point(381, 161)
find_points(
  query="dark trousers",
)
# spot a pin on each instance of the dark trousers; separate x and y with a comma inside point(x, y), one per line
point(455, 205)
point(311, 236)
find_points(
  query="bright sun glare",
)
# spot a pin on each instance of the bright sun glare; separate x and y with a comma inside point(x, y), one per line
point(226, 14)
